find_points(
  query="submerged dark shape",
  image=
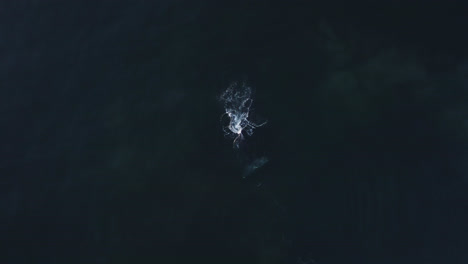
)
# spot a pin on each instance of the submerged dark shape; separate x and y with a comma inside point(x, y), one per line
point(257, 163)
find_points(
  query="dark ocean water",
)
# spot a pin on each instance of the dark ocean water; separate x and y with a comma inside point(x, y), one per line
point(113, 149)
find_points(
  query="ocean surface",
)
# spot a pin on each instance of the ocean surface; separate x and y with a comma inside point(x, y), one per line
point(266, 132)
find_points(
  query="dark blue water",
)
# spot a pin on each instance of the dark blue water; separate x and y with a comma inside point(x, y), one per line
point(113, 150)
